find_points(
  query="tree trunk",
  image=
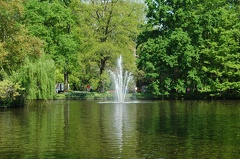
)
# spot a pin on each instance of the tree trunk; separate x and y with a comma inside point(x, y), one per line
point(66, 76)
point(66, 81)
point(102, 68)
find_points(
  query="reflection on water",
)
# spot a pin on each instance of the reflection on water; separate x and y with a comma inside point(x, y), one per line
point(88, 129)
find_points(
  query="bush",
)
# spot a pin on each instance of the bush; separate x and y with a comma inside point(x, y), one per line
point(9, 92)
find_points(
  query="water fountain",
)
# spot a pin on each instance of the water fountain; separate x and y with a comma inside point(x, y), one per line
point(120, 81)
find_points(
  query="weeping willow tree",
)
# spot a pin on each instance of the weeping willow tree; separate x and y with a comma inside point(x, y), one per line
point(38, 78)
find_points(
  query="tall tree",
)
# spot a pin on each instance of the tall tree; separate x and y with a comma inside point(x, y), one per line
point(16, 43)
point(53, 22)
point(196, 43)
point(22, 56)
point(219, 46)
point(109, 29)
point(165, 49)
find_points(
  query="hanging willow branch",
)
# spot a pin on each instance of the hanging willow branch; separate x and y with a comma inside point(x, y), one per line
point(39, 79)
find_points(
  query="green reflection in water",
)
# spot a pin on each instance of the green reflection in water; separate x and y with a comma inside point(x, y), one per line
point(88, 129)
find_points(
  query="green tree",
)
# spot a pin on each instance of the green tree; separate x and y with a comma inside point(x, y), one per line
point(108, 28)
point(37, 78)
point(198, 42)
point(165, 49)
point(17, 45)
point(53, 22)
point(219, 46)
point(15, 41)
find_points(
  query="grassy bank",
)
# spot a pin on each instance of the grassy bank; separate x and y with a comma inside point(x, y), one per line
point(84, 95)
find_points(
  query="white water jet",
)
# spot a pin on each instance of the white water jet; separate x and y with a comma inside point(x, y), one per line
point(120, 81)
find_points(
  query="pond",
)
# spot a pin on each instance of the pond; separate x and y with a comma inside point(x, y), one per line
point(89, 129)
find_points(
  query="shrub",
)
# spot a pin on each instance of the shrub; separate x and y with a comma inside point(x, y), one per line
point(9, 92)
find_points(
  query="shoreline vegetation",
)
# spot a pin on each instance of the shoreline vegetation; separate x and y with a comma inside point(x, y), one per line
point(174, 50)
point(85, 95)
point(109, 96)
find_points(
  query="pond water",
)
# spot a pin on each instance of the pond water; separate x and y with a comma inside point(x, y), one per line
point(88, 129)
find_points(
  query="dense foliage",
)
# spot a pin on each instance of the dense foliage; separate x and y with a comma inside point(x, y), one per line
point(38, 78)
point(191, 46)
point(182, 45)
point(72, 42)
point(108, 29)
point(9, 92)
